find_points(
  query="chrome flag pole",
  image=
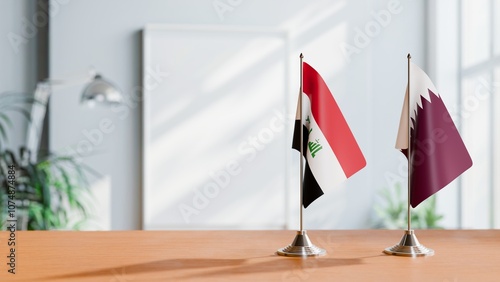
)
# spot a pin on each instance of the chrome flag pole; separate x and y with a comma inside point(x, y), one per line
point(301, 245)
point(409, 245)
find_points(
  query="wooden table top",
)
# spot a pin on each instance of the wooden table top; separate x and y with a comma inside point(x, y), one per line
point(354, 255)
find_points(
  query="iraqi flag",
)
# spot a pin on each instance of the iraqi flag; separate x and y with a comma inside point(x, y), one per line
point(331, 152)
point(437, 153)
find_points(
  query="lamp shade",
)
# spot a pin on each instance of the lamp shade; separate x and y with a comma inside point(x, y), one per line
point(102, 91)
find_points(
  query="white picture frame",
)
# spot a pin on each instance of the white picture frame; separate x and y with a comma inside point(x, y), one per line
point(216, 127)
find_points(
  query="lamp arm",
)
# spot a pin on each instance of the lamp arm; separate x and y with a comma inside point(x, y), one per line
point(56, 84)
point(35, 126)
point(98, 87)
point(39, 109)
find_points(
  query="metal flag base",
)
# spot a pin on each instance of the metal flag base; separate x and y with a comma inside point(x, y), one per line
point(301, 247)
point(409, 247)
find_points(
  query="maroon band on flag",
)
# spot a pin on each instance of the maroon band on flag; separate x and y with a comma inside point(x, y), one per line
point(329, 118)
point(438, 153)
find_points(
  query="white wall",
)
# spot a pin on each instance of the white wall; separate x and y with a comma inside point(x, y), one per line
point(443, 68)
point(369, 86)
point(17, 57)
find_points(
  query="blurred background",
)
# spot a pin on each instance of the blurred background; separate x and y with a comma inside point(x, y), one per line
point(200, 137)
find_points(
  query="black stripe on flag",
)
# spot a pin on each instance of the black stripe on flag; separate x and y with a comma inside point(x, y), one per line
point(312, 191)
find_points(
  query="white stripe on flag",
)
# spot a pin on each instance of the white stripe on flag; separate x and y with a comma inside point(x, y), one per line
point(420, 84)
point(324, 165)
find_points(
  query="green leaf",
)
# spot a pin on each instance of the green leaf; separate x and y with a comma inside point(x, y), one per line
point(6, 119)
point(3, 134)
point(22, 111)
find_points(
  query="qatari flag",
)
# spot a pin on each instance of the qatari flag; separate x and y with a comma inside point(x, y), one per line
point(330, 150)
point(437, 153)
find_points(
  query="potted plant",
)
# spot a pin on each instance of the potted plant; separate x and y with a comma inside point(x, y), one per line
point(50, 193)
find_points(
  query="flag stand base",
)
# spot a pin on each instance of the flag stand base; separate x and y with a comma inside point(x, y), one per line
point(301, 247)
point(409, 247)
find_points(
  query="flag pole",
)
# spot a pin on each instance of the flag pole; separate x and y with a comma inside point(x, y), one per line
point(301, 245)
point(301, 207)
point(409, 144)
point(409, 246)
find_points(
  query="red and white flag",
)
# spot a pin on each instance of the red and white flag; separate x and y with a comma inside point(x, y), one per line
point(330, 149)
point(437, 153)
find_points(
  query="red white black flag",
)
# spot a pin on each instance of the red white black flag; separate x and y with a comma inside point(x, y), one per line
point(329, 147)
